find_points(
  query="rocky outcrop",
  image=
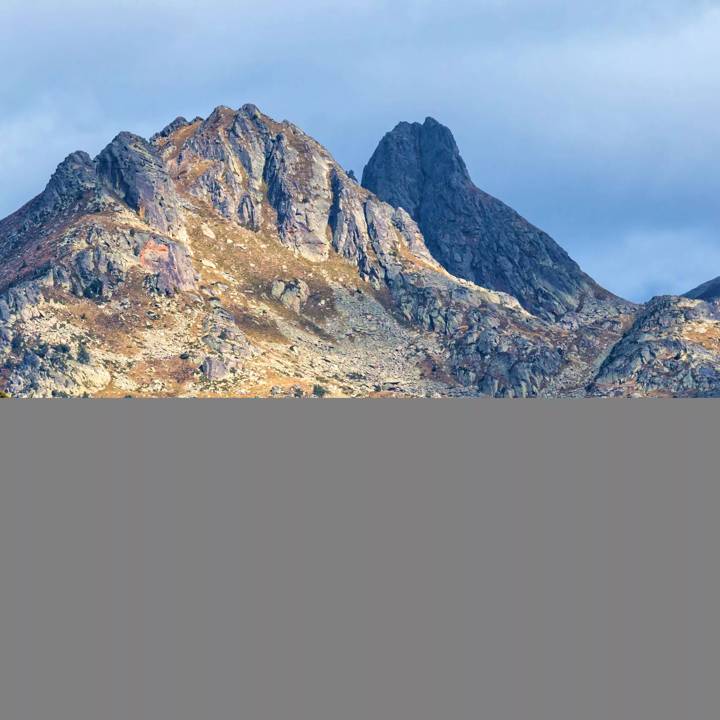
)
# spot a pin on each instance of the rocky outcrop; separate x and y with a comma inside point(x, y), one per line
point(169, 265)
point(71, 191)
point(293, 294)
point(222, 162)
point(473, 235)
point(75, 179)
point(132, 169)
point(672, 349)
point(59, 370)
point(177, 124)
point(492, 341)
point(213, 368)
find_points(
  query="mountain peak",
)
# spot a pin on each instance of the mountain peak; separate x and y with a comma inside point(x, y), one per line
point(73, 176)
point(250, 109)
point(472, 234)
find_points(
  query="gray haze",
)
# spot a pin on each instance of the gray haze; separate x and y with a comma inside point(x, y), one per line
point(597, 121)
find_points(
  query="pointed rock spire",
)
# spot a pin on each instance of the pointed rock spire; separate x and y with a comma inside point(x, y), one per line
point(473, 235)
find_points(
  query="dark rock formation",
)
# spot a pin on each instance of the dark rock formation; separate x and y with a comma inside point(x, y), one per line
point(170, 128)
point(707, 291)
point(73, 180)
point(473, 235)
point(72, 190)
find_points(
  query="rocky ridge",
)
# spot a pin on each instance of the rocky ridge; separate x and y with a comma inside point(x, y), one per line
point(232, 256)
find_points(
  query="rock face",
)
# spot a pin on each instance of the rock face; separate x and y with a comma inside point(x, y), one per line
point(232, 256)
point(472, 234)
point(74, 179)
point(132, 169)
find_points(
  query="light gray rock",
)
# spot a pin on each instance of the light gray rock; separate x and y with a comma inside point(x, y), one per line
point(277, 289)
point(670, 350)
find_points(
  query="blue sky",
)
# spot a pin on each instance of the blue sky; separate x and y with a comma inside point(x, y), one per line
point(597, 121)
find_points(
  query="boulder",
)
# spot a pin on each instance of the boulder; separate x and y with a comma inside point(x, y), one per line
point(293, 294)
point(214, 369)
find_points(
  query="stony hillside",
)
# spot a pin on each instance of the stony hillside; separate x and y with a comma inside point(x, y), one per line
point(671, 350)
point(232, 256)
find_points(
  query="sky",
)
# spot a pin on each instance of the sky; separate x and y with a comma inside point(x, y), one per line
point(598, 121)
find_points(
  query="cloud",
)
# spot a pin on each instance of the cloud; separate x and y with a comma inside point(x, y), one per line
point(592, 119)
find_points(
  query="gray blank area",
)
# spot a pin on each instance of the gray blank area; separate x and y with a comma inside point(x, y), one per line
point(359, 560)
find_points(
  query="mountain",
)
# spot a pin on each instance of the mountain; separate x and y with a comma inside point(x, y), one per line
point(233, 256)
point(473, 235)
point(707, 291)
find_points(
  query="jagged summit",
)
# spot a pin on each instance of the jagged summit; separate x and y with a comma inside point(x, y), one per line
point(170, 128)
point(472, 234)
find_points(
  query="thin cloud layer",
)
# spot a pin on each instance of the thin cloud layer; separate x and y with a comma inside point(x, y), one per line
point(595, 120)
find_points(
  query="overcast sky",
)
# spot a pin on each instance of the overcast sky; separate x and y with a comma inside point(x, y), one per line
point(598, 121)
